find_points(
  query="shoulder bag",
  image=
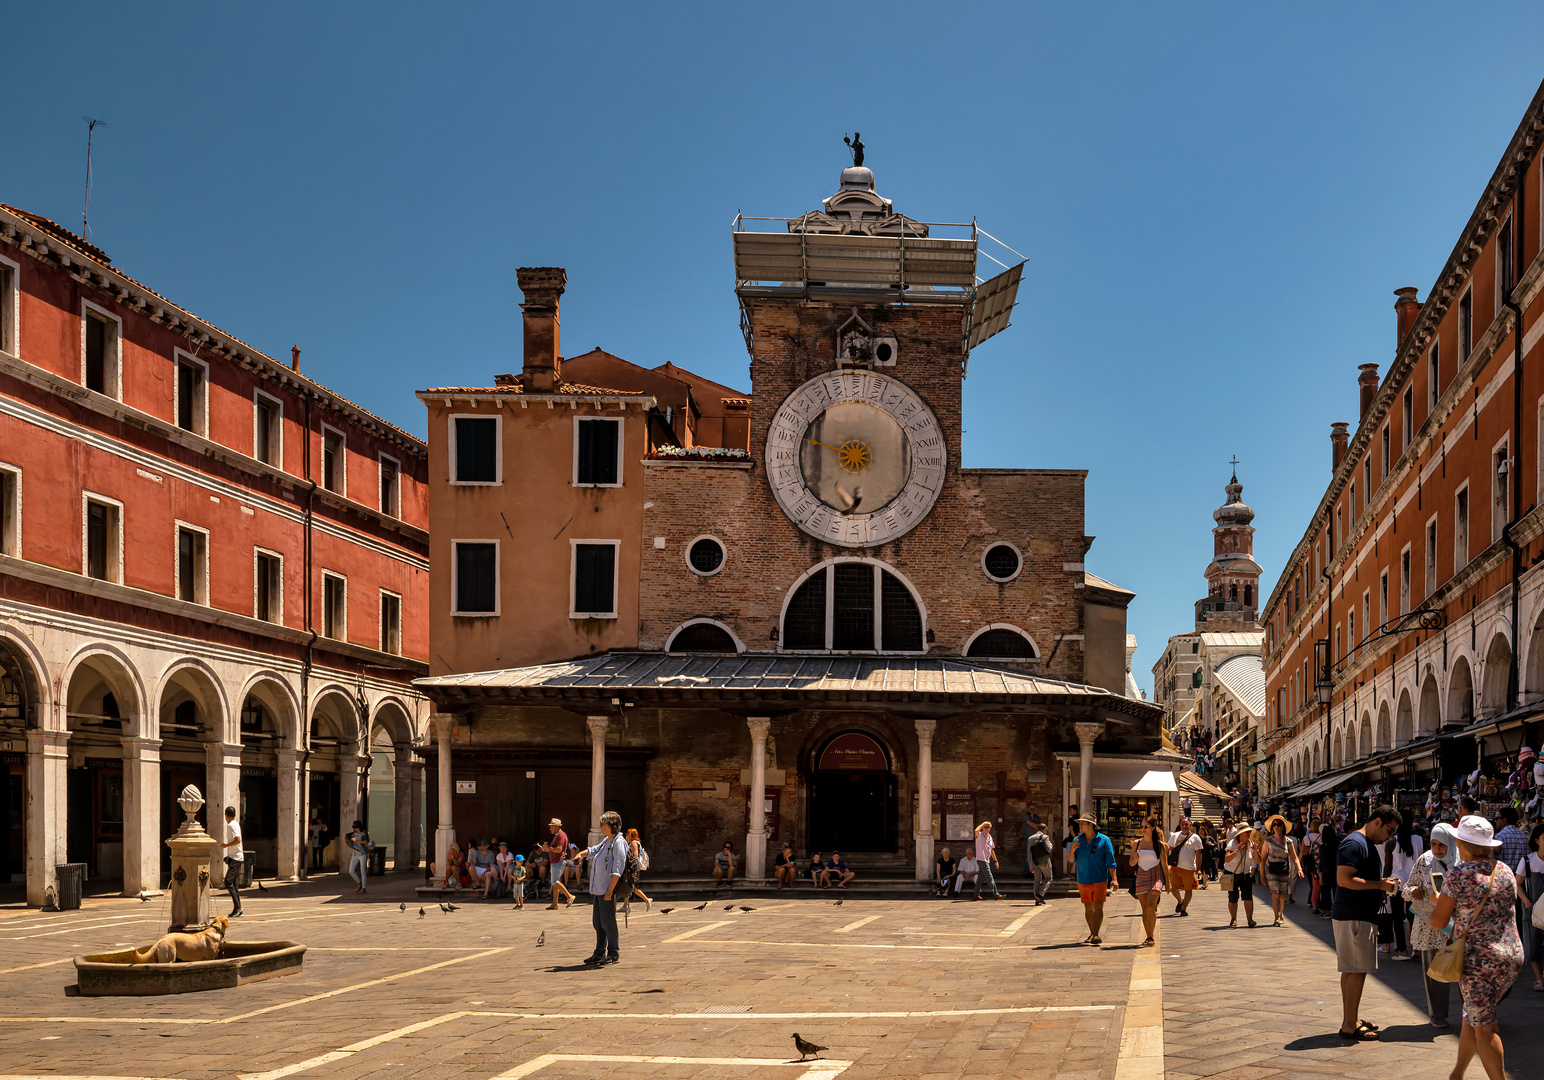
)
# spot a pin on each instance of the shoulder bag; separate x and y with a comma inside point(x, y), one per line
point(1448, 965)
point(1538, 905)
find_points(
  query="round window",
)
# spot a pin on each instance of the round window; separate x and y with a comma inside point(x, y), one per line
point(883, 352)
point(1001, 562)
point(706, 555)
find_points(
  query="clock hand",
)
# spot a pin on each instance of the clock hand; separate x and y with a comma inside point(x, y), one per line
point(828, 446)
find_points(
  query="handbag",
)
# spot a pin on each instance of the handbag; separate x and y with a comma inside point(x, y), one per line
point(1448, 965)
point(1225, 881)
point(1538, 905)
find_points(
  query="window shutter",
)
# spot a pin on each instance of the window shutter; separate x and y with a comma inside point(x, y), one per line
point(476, 576)
point(594, 575)
point(598, 451)
point(476, 450)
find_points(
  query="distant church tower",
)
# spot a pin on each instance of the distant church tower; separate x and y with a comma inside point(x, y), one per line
point(1233, 579)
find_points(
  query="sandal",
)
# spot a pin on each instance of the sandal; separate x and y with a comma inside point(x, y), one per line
point(1363, 1033)
point(1233, 925)
point(1148, 944)
point(1252, 924)
point(1095, 940)
point(1538, 985)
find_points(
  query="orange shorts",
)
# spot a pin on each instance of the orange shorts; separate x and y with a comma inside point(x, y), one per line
point(1093, 894)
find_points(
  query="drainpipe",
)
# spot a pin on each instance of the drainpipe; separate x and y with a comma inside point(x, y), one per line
point(1516, 475)
point(305, 669)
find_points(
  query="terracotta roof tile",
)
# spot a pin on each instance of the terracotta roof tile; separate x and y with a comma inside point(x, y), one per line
point(572, 389)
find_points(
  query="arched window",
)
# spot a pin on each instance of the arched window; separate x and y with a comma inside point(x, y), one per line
point(703, 637)
point(1249, 596)
point(870, 610)
point(1001, 643)
point(1232, 592)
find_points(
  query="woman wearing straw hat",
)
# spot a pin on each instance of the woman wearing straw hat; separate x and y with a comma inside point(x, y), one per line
point(1239, 864)
point(1276, 854)
point(1478, 895)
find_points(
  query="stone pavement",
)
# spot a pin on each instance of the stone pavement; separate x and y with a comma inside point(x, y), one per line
point(896, 988)
point(1265, 1003)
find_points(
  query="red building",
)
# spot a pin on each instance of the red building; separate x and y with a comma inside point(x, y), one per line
point(199, 548)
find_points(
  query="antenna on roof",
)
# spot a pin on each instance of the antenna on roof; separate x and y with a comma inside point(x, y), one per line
point(92, 123)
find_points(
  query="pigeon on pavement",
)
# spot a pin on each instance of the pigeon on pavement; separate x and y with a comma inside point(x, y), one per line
point(728, 907)
point(260, 887)
point(840, 902)
point(701, 906)
point(805, 1047)
point(444, 908)
point(541, 939)
point(666, 910)
point(420, 913)
point(450, 907)
point(402, 906)
point(744, 908)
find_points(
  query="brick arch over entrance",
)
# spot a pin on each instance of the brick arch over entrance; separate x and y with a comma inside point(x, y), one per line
point(854, 809)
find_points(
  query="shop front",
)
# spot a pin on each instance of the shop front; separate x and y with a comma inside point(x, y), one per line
point(1126, 792)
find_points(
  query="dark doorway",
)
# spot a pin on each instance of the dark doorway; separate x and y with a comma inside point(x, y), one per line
point(13, 800)
point(78, 845)
point(852, 796)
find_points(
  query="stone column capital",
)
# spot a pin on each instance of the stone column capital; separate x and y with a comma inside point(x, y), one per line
point(291, 759)
point(441, 725)
point(597, 726)
point(51, 743)
point(925, 729)
point(139, 748)
point(759, 726)
point(1089, 731)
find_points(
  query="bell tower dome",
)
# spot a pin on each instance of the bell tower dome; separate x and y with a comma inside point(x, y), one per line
point(1233, 577)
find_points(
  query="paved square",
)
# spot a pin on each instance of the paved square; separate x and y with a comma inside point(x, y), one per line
point(895, 988)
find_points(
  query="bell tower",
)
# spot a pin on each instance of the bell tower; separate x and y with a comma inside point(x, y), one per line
point(1232, 598)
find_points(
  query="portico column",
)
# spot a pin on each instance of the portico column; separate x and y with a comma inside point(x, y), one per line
point(402, 806)
point(348, 791)
point(222, 785)
point(141, 814)
point(48, 761)
point(1087, 733)
point(597, 726)
point(441, 724)
point(756, 834)
point(925, 838)
point(415, 848)
point(292, 784)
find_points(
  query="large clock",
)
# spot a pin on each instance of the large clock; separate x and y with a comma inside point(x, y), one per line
point(855, 458)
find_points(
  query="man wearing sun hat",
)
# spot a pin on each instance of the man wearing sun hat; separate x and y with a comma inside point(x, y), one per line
point(1095, 858)
point(1359, 890)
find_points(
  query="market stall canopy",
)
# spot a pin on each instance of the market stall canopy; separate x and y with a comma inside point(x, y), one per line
point(1331, 782)
point(1129, 776)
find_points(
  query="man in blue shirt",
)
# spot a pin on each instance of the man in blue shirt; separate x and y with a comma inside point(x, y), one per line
point(1095, 858)
point(607, 861)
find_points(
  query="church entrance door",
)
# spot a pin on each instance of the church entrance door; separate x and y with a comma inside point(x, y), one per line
point(852, 796)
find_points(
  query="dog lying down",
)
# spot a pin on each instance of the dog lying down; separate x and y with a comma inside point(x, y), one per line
point(206, 944)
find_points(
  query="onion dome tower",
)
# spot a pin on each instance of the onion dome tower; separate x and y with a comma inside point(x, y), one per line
point(1233, 577)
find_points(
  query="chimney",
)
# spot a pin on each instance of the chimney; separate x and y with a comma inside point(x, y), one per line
point(506, 380)
point(542, 286)
point(1407, 309)
point(1368, 381)
point(294, 357)
point(1339, 437)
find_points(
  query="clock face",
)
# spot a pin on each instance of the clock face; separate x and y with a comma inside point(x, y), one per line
point(855, 458)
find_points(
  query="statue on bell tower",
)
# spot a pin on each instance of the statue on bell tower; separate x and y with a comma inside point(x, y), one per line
point(855, 144)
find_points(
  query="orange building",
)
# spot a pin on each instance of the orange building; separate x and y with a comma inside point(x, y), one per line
point(1405, 639)
point(213, 570)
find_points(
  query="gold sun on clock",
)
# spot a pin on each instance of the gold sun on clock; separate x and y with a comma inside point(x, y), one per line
point(855, 456)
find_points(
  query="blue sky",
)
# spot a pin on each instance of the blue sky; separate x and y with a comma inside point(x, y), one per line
point(1216, 203)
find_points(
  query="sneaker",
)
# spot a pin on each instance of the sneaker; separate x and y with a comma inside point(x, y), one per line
point(612, 959)
point(595, 958)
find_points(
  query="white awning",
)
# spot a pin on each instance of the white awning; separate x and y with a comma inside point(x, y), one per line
point(1127, 778)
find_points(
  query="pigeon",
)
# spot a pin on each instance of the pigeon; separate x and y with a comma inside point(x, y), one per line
point(701, 906)
point(728, 907)
point(420, 913)
point(450, 907)
point(842, 901)
point(744, 908)
point(260, 887)
point(666, 910)
point(443, 907)
point(143, 899)
point(806, 1048)
point(402, 907)
point(541, 939)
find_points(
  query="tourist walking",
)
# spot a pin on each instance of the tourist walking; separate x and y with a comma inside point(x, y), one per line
point(318, 835)
point(1420, 891)
point(358, 842)
point(1278, 860)
point(1478, 895)
point(635, 845)
point(1359, 891)
point(1308, 856)
point(1149, 858)
point(1530, 889)
point(1404, 849)
point(234, 859)
point(1038, 845)
point(608, 859)
point(986, 855)
point(1238, 874)
point(1094, 857)
point(1209, 853)
point(557, 850)
point(1184, 854)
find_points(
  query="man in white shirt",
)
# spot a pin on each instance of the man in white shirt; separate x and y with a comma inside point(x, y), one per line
point(1185, 845)
point(969, 868)
point(233, 858)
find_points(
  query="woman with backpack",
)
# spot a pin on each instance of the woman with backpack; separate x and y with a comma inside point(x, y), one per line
point(642, 854)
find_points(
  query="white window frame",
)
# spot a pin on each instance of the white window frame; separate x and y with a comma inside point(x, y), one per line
point(1498, 522)
point(1367, 623)
point(1461, 559)
point(498, 575)
point(275, 437)
point(1432, 534)
point(276, 595)
point(115, 545)
point(112, 373)
point(10, 539)
point(573, 575)
point(1406, 574)
point(686, 554)
point(1003, 580)
point(1019, 630)
point(498, 447)
point(1383, 597)
point(201, 399)
point(826, 567)
point(342, 490)
point(342, 635)
point(200, 572)
point(395, 509)
point(621, 423)
point(739, 646)
point(10, 300)
point(380, 611)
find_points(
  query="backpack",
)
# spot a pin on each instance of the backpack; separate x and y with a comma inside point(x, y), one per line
point(1040, 849)
point(628, 879)
point(643, 856)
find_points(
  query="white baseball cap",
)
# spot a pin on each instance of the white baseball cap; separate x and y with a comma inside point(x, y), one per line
point(1476, 832)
